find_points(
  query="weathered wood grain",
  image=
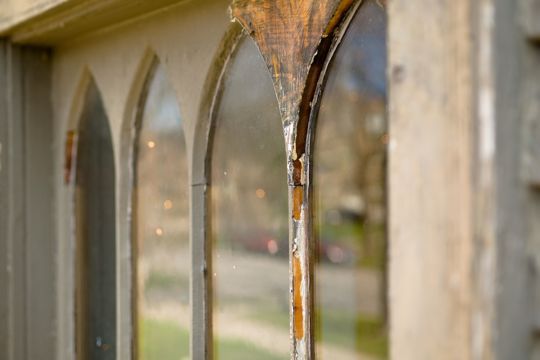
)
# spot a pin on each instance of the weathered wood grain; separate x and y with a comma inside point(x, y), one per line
point(288, 34)
point(294, 37)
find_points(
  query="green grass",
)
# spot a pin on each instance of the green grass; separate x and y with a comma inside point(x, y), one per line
point(272, 316)
point(240, 350)
point(352, 235)
point(165, 340)
point(165, 281)
point(364, 334)
point(350, 230)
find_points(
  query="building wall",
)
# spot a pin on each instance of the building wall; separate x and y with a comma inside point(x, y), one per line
point(118, 60)
point(13, 12)
point(464, 201)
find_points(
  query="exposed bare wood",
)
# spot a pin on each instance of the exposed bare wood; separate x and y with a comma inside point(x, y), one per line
point(294, 37)
point(442, 155)
point(288, 33)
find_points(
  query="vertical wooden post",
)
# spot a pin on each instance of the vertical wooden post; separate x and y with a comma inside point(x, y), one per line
point(443, 225)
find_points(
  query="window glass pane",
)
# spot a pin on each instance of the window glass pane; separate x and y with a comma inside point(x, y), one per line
point(162, 225)
point(350, 181)
point(249, 215)
point(95, 312)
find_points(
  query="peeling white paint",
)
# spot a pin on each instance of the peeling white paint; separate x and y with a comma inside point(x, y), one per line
point(486, 106)
point(300, 350)
point(392, 145)
point(483, 315)
point(303, 176)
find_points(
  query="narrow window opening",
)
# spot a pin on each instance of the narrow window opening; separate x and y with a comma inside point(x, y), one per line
point(161, 225)
point(350, 195)
point(249, 208)
point(95, 283)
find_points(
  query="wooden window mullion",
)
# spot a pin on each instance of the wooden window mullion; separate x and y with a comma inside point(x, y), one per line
point(293, 38)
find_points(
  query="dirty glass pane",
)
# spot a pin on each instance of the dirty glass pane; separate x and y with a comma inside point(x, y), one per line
point(95, 282)
point(350, 194)
point(249, 215)
point(162, 225)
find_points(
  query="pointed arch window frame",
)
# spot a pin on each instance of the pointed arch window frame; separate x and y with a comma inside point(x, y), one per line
point(299, 101)
point(86, 83)
point(130, 132)
point(151, 64)
point(323, 22)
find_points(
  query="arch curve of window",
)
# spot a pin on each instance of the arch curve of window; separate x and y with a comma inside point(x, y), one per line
point(212, 189)
point(160, 222)
point(95, 230)
point(350, 137)
point(189, 280)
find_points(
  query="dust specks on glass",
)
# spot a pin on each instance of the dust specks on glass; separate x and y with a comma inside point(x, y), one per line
point(350, 194)
point(161, 225)
point(249, 209)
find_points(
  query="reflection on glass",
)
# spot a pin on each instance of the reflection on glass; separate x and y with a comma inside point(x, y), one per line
point(350, 181)
point(162, 226)
point(249, 215)
point(95, 310)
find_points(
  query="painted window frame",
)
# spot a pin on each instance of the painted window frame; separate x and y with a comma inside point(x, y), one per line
point(331, 19)
point(323, 47)
point(465, 124)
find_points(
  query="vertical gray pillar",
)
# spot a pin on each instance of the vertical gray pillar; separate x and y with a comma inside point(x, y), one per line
point(517, 61)
point(27, 254)
point(38, 168)
point(13, 214)
point(4, 327)
point(513, 324)
point(530, 144)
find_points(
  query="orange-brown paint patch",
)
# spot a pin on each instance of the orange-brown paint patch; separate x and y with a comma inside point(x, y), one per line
point(298, 313)
point(69, 155)
point(297, 172)
point(298, 196)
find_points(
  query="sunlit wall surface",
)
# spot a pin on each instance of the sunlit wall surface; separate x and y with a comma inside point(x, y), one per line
point(350, 192)
point(95, 310)
point(249, 215)
point(161, 225)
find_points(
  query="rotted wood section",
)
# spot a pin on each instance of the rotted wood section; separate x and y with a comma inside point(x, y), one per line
point(294, 38)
